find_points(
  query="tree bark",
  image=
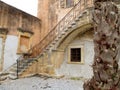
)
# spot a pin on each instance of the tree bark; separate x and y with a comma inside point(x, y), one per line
point(106, 71)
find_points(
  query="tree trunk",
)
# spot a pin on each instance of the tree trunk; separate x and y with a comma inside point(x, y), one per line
point(106, 47)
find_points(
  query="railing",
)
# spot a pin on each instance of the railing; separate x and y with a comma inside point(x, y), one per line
point(19, 62)
point(63, 24)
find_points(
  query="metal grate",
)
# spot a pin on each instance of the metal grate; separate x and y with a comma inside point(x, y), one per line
point(75, 54)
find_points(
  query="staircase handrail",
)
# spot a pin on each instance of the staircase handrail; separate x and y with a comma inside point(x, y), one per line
point(51, 35)
point(61, 25)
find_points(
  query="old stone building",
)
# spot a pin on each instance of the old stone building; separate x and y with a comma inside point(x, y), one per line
point(59, 42)
point(19, 31)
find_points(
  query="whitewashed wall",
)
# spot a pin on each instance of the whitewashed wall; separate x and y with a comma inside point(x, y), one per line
point(10, 51)
point(79, 70)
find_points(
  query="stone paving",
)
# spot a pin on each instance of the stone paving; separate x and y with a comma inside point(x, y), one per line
point(42, 83)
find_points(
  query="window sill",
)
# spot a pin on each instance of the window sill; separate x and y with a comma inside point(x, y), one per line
point(76, 63)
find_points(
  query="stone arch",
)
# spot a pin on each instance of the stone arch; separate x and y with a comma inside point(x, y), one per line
point(61, 57)
point(62, 44)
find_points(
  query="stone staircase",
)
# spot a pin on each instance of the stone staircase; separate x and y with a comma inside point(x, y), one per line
point(14, 71)
point(72, 18)
point(83, 19)
point(78, 16)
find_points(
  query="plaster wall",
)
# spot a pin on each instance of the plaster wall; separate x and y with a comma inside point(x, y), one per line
point(79, 69)
point(10, 55)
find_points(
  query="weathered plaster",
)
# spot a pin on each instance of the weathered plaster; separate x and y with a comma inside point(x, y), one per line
point(14, 19)
point(22, 47)
point(10, 51)
point(78, 69)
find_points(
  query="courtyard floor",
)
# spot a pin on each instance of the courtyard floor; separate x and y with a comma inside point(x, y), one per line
point(43, 83)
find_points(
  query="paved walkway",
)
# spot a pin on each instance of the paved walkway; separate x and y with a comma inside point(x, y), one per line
point(42, 83)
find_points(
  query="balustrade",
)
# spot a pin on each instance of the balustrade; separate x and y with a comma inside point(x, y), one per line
point(61, 26)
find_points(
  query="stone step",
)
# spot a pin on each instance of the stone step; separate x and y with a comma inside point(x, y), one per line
point(13, 73)
point(48, 48)
point(53, 42)
point(59, 36)
point(12, 77)
point(80, 16)
point(77, 19)
point(63, 33)
point(27, 61)
point(56, 39)
point(66, 29)
point(20, 68)
point(2, 78)
point(69, 26)
point(73, 23)
point(4, 73)
point(44, 51)
point(73, 26)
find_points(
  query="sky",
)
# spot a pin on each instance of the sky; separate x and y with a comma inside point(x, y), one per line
point(29, 6)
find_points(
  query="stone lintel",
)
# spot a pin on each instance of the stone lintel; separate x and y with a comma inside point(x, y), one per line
point(3, 31)
point(25, 30)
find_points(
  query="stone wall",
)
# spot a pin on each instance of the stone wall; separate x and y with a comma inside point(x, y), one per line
point(13, 18)
point(18, 23)
point(50, 13)
point(43, 7)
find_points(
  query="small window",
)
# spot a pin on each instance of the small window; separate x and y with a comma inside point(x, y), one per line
point(69, 3)
point(75, 54)
point(66, 3)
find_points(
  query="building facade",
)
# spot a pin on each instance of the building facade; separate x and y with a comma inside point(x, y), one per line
point(19, 31)
point(72, 54)
point(59, 42)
